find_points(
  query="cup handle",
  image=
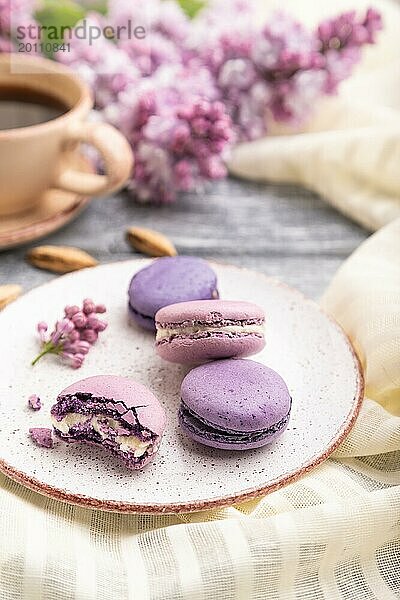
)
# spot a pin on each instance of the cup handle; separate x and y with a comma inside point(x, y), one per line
point(115, 151)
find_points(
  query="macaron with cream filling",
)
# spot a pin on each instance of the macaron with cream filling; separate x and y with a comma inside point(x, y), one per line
point(114, 412)
point(199, 331)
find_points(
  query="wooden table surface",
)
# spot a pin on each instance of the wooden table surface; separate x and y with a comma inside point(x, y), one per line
point(283, 231)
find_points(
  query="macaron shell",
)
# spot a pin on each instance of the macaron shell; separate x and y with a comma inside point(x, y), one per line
point(129, 393)
point(210, 311)
point(201, 437)
point(137, 319)
point(236, 394)
point(171, 279)
point(216, 346)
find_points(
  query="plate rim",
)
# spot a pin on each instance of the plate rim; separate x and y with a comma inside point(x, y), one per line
point(82, 500)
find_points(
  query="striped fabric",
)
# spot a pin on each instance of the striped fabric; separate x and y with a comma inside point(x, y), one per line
point(335, 534)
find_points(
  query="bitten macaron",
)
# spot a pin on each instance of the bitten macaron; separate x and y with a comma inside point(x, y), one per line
point(168, 280)
point(115, 412)
point(198, 331)
point(234, 404)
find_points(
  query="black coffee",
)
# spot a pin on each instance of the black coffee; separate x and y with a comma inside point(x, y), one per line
point(22, 108)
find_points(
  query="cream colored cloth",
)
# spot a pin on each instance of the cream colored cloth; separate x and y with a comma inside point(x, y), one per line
point(334, 534)
point(349, 152)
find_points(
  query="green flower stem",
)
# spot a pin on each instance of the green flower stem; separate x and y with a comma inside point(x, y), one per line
point(48, 348)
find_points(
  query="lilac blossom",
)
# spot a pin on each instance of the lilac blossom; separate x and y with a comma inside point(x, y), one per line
point(181, 149)
point(15, 13)
point(255, 66)
point(279, 69)
point(107, 69)
point(189, 90)
point(178, 130)
point(74, 334)
point(149, 54)
point(340, 41)
point(164, 17)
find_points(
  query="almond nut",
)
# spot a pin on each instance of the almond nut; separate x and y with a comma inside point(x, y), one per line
point(150, 242)
point(60, 259)
point(9, 293)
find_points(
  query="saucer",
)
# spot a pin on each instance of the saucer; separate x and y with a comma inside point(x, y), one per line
point(57, 208)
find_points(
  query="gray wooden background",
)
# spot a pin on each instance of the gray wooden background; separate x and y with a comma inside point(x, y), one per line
point(283, 231)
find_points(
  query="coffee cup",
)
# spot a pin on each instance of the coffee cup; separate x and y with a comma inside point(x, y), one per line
point(44, 110)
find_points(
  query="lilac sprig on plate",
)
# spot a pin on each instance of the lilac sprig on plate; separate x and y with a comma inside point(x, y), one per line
point(74, 334)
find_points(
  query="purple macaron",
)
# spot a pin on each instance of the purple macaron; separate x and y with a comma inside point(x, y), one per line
point(198, 331)
point(115, 412)
point(166, 281)
point(234, 404)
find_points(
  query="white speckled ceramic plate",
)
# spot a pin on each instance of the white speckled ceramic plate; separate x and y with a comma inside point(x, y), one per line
point(306, 347)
